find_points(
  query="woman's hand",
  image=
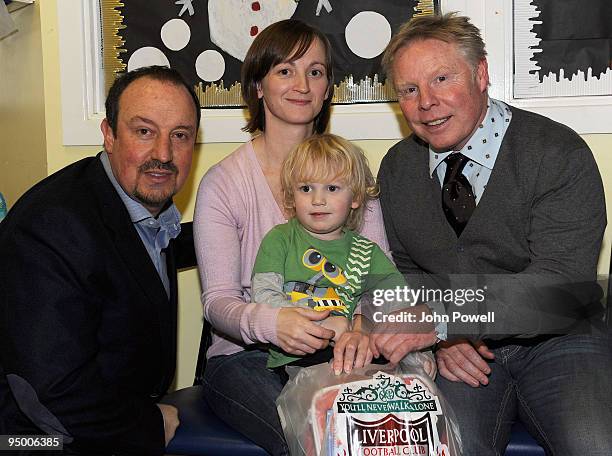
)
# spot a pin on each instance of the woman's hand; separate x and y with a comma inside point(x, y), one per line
point(298, 334)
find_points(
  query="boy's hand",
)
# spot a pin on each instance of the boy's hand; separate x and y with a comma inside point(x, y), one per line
point(352, 350)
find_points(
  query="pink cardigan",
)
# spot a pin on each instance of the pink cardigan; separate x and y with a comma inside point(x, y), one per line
point(234, 210)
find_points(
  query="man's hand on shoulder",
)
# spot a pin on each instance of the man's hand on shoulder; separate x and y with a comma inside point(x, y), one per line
point(171, 420)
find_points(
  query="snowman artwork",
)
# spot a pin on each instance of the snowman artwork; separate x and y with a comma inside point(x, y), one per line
point(234, 24)
point(207, 40)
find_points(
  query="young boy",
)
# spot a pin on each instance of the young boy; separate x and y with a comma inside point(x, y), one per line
point(317, 259)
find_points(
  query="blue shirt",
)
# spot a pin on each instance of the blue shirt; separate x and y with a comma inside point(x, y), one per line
point(155, 232)
point(482, 149)
point(3, 209)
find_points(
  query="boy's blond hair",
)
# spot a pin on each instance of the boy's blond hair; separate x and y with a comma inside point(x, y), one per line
point(327, 157)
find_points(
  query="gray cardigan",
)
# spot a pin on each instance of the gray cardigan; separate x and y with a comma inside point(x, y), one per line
point(540, 220)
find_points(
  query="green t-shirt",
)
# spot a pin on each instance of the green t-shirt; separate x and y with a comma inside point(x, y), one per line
point(293, 267)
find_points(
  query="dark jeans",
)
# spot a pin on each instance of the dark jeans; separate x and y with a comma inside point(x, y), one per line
point(559, 388)
point(242, 392)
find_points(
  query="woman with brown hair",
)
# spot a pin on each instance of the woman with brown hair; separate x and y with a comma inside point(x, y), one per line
point(287, 83)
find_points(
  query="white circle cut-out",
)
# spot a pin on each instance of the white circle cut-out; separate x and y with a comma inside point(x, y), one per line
point(210, 65)
point(175, 34)
point(367, 34)
point(146, 56)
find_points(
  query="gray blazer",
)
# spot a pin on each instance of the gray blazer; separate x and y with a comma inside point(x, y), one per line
point(541, 219)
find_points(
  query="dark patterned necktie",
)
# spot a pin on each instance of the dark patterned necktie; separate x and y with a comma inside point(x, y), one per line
point(458, 200)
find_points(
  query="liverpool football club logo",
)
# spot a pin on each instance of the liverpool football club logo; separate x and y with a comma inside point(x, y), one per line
point(385, 416)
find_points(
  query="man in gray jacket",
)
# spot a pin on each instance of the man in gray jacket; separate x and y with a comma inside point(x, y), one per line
point(509, 205)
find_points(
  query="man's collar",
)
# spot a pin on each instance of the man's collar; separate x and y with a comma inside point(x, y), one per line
point(484, 144)
point(136, 210)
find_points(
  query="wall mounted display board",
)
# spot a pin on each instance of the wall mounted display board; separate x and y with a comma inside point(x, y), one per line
point(207, 40)
point(547, 56)
point(562, 48)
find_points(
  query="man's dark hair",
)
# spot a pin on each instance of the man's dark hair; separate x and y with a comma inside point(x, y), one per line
point(158, 73)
